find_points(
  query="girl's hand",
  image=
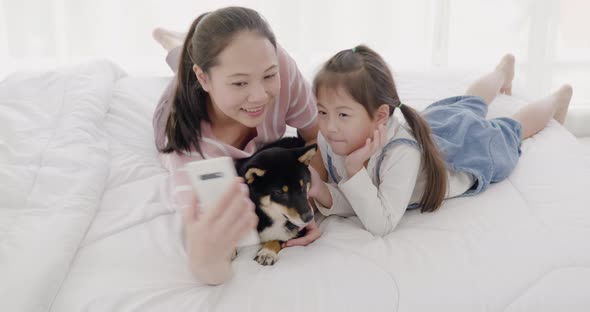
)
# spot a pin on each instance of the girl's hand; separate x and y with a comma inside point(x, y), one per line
point(212, 236)
point(355, 161)
point(313, 233)
point(316, 183)
point(318, 190)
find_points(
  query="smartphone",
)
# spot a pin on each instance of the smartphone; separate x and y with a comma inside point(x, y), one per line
point(211, 178)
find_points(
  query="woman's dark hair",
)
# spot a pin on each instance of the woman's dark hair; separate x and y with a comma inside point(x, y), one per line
point(207, 37)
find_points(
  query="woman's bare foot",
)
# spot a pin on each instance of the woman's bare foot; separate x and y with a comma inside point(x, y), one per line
point(564, 95)
point(506, 66)
point(168, 39)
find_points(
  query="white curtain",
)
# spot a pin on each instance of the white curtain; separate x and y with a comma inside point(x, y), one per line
point(550, 38)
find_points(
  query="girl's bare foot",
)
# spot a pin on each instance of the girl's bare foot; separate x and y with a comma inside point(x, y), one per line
point(506, 66)
point(564, 95)
point(168, 39)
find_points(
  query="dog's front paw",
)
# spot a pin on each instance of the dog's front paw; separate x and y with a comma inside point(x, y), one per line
point(266, 257)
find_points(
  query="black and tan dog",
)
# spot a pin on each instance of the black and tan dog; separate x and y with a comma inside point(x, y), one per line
point(279, 179)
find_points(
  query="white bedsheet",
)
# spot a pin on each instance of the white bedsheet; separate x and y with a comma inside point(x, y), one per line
point(523, 245)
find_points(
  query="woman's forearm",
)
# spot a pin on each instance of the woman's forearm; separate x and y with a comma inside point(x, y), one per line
point(213, 274)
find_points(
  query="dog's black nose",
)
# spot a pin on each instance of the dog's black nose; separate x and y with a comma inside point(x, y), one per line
point(306, 217)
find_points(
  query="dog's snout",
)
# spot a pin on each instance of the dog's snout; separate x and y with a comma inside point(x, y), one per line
point(306, 217)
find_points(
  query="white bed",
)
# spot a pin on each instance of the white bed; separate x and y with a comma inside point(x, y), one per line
point(85, 222)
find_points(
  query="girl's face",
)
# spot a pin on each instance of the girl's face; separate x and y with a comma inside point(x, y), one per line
point(344, 123)
point(245, 82)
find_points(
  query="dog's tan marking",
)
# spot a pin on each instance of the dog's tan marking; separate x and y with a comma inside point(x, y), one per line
point(265, 201)
point(274, 245)
point(274, 210)
point(269, 253)
point(285, 189)
point(279, 214)
point(252, 172)
point(292, 213)
point(301, 182)
point(306, 158)
point(308, 186)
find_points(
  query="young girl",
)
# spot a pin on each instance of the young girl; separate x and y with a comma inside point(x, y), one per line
point(235, 90)
point(379, 167)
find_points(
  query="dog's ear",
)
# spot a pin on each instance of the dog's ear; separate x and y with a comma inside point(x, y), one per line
point(252, 172)
point(306, 153)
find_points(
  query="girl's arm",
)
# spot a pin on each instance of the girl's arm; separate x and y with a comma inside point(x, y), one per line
point(327, 197)
point(380, 208)
point(331, 201)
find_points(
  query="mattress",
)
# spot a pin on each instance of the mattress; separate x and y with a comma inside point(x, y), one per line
point(86, 222)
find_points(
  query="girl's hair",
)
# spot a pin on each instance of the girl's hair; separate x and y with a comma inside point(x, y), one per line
point(207, 37)
point(365, 76)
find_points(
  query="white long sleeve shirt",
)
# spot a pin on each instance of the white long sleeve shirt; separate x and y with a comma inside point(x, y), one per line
point(402, 182)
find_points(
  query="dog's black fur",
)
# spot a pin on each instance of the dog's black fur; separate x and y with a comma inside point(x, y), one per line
point(279, 179)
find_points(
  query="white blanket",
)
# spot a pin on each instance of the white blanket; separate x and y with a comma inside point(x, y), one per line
point(523, 245)
point(55, 159)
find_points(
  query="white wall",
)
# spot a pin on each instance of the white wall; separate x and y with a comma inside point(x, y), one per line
point(549, 37)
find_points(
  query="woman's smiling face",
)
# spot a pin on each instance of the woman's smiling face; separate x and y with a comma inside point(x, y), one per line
point(245, 82)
